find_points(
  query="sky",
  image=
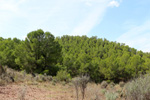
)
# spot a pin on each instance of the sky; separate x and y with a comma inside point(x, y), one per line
point(124, 21)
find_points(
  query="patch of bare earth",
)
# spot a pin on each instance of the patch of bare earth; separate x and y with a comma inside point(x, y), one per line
point(42, 91)
point(47, 91)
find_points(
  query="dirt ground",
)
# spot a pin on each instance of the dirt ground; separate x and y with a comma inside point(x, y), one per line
point(47, 91)
point(36, 91)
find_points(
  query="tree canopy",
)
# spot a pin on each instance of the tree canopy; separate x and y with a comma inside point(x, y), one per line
point(101, 59)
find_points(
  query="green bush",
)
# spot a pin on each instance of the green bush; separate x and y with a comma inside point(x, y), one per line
point(63, 76)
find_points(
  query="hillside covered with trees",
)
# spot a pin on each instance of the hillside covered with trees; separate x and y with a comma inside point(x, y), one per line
point(101, 59)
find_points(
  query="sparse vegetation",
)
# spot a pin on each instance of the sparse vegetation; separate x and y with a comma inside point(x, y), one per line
point(9, 76)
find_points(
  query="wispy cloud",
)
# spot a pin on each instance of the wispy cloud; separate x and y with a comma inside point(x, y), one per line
point(138, 37)
point(75, 17)
point(92, 18)
point(114, 4)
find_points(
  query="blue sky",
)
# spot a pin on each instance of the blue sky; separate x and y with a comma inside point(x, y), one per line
point(125, 21)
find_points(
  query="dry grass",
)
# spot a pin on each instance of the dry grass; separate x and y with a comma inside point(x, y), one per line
point(42, 87)
point(9, 75)
point(94, 92)
point(59, 91)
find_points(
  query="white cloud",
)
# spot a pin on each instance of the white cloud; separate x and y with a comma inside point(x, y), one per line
point(7, 6)
point(93, 18)
point(10, 5)
point(88, 4)
point(137, 37)
point(114, 4)
point(61, 17)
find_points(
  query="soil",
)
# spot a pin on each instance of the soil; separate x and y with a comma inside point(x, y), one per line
point(38, 91)
point(48, 91)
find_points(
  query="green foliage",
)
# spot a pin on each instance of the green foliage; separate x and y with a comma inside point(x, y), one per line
point(39, 52)
point(7, 50)
point(63, 76)
point(99, 58)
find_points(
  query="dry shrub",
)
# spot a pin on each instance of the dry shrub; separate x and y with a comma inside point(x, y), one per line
point(93, 92)
point(104, 84)
point(80, 82)
point(110, 85)
point(138, 89)
point(121, 84)
point(2, 82)
point(5, 77)
point(111, 95)
point(9, 75)
point(41, 78)
point(103, 91)
point(75, 82)
point(118, 88)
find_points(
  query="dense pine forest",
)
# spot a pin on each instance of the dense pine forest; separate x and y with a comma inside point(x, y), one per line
point(43, 53)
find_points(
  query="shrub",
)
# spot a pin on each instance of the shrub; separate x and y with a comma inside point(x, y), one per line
point(48, 78)
point(2, 82)
point(138, 89)
point(103, 91)
point(42, 78)
point(55, 80)
point(111, 95)
point(81, 82)
point(46, 72)
point(118, 88)
point(104, 84)
point(63, 76)
point(75, 82)
point(93, 92)
point(121, 84)
point(112, 83)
